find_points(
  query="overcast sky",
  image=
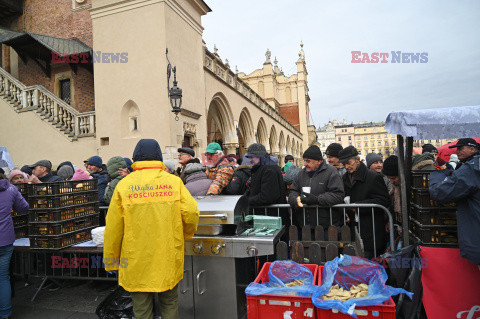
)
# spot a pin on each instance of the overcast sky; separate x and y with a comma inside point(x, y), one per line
point(449, 31)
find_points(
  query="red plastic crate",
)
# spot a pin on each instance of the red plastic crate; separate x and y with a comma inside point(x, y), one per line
point(384, 311)
point(275, 306)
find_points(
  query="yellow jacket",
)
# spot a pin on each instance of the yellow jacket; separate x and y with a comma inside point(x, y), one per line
point(150, 214)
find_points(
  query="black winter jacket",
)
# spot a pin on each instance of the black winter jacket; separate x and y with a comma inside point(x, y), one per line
point(368, 187)
point(238, 184)
point(327, 185)
point(103, 180)
point(266, 188)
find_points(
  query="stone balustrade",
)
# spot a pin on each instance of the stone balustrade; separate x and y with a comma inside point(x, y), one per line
point(216, 66)
point(49, 107)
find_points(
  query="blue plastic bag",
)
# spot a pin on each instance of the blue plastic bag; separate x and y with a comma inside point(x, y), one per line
point(351, 270)
point(281, 273)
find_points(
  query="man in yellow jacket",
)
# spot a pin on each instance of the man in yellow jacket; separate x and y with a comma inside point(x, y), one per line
point(150, 214)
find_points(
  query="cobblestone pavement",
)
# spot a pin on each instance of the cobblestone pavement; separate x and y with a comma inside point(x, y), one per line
point(77, 299)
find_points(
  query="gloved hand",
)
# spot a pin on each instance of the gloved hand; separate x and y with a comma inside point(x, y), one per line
point(309, 199)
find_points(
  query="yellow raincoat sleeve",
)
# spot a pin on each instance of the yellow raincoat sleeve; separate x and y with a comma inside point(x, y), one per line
point(113, 235)
point(190, 213)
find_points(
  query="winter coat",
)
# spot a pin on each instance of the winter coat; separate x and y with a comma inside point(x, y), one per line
point(150, 215)
point(327, 185)
point(221, 177)
point(266, 187)
point(113, 165)
point(196, 181)
point(10, 199)
point(368, 187)
point(238, 185)
point(341, 171)
point(50, 178)
point(102, 177)
point(463, 188)
point(423, 162)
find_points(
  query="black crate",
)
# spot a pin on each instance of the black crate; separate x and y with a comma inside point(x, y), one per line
point(60, 188)
point(22, 188)
point(442, 216)
point(434, 234)
point(422, 199)
point(64, 213)
point(21, 232)
point(415, 240)
point(421, 179)
point(20, 220)
point(57, 201)
point(61, 241)
point(63, 227)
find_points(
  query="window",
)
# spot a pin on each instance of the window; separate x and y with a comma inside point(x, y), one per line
point(358, 137)
point(378, 136)
point(339, 138)
point(386, 143)
point(365, 137)
point(386, 135)
point(379, 143)
point(393, 142)
point(373, 143)
point(359, 145)
point(349, 138)
point(372, 137)
point(359, 152)
point(133, 123)
point(364, 129)
point(323, 144)
point(65, 93)
point(350, 143)
point(366, 144)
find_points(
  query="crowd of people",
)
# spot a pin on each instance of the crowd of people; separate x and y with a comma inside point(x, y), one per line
point(319, 184)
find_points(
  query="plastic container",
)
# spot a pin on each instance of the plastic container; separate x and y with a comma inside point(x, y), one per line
point(63, 227)
point(280, 306)
point(434, 234)
point(421, 179)
point(384, 311)
point(57, 201)
point(421, 198)
point(60, 188)
point(21, 232)
point(61, 241)
point(20, 220)
point(445, 216)
point(64, 213)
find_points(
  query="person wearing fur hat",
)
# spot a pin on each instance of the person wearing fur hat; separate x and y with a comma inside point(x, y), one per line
point(423, 162)
point(317, 184)
point(332, 157)
point(196, 181)
point(80, 175)
point(364, 186)
point(266, 185)
point(17, 177)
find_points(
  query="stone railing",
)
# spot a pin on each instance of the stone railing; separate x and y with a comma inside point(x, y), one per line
point(49, 107)
point(216, 66)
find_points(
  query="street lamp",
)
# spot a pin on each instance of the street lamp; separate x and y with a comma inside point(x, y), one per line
point(174, 92)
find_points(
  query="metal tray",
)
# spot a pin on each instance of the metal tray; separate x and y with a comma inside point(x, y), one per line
point(216, 230)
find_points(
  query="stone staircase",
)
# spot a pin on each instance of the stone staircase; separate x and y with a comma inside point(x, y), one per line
point(47, 106)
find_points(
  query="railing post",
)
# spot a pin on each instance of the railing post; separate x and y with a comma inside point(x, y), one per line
point(24, 99)
point(77, 126)
point(35, 98)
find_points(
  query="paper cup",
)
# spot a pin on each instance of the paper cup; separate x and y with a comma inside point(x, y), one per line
point(306, 189)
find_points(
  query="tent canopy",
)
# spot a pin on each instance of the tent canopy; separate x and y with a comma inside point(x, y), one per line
point(440, 123)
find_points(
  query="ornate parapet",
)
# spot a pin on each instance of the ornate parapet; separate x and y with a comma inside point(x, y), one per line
point(212, 63)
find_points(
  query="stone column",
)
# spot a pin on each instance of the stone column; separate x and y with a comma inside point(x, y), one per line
point(230, 148)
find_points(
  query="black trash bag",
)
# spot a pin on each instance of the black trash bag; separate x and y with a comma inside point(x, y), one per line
point(116, 305)
point(404, 269)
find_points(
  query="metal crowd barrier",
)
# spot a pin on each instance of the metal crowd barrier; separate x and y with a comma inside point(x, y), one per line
point(264, 209)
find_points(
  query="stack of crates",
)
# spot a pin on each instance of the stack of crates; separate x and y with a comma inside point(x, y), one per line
point(20, 222)
point(62, 214)
point(432, 223)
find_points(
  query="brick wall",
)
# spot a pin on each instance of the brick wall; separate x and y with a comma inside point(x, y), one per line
point(56, 18)
point(290, 113)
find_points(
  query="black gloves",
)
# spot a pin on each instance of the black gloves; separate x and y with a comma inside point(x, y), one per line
point(309, 199)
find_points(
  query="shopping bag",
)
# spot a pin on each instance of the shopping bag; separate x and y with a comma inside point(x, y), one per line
point(116, 305)
point(351, 270)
